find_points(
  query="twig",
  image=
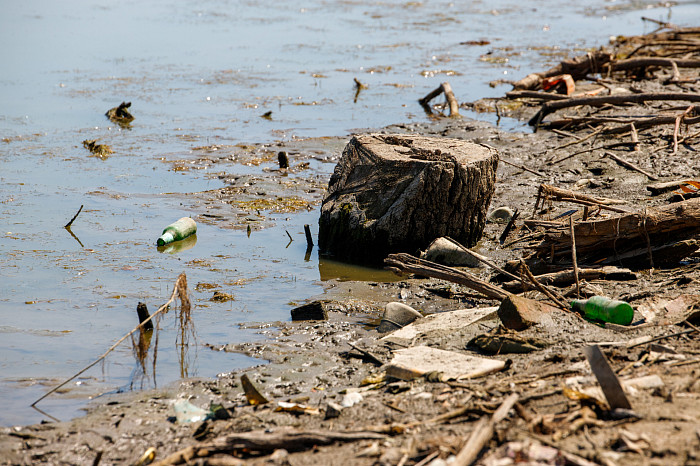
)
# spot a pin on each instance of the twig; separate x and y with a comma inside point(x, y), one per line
point(482, 259)
point(663, 337)
point(290, 236)
point(573, 256)
point(635, 136)
point(630, 165)
point(580, 140)
point(368, 355)
point(521, 167)
point(74, 217)
point(180, 289)
point(449, 96)
point(558, 299)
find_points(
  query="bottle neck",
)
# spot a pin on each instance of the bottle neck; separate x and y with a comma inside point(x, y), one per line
point(166, 238)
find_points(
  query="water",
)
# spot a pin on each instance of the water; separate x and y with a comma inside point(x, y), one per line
point(197, 75)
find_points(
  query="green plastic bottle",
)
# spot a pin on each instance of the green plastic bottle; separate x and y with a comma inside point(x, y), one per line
point(604, 309)
point(178, 231)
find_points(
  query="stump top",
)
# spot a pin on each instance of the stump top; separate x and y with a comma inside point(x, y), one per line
point(430, 149)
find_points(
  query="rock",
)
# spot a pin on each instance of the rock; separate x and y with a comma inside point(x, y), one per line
point(316, 310)
point(397, 193)
point(433, 324)
point(518, 313)
point(414, 362)
point(445, 252)
point(501, 215)
point(333, 410)
point(397, 315)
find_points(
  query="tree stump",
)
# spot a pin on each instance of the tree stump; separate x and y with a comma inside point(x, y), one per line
point(397, 193)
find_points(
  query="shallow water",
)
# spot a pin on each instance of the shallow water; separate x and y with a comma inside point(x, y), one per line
point(197, 75)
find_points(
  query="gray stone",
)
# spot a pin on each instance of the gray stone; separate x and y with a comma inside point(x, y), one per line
point(397, 315)
point(501, 215)
point(445, 252)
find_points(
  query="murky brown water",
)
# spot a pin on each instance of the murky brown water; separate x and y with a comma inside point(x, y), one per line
point(199, 77)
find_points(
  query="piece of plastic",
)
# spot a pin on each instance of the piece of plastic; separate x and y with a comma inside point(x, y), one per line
point(602, 309)
point(178, 231)
point(187, 412)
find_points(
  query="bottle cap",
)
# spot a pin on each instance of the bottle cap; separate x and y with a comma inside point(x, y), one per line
point(165, 238)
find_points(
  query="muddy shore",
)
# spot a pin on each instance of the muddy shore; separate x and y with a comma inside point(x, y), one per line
point(313, 363)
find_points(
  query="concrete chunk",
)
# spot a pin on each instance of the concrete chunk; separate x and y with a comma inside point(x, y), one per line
point(411, 363)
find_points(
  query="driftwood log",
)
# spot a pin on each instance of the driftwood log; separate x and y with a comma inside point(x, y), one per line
point(566, 278)
point(259, 441)
point(577, 67)
point(613, 236)
point(408, 263)
point(397, 193)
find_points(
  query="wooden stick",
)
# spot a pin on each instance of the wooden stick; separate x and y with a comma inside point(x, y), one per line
point(522, 167)
point(482, 433)
point(262, 441)
point(409, 263)
point(74, 217)
point(451, 99)
point(573, 256)
point(643, 62)
point(482, 259)
point(309, 240)
point(630, 165)
point(449, 96)
point(635, 136)
point(557, 298)
point(180, 289)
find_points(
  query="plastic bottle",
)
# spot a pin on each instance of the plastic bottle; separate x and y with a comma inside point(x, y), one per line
point(178, 231)
point(604, 309)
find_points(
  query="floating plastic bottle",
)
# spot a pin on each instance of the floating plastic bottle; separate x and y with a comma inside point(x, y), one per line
point(604, 309)
point(178, 231)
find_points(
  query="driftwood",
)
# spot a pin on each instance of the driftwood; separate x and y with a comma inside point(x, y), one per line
point(547, 192)
point(660, 188)
point(550, 107)
point(632, 231)
point(408, 263)
point(567, 277)
point(643, 62)
point(260, 441)
point(577, 67)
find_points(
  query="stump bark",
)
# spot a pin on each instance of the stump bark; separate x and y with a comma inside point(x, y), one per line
point(397, 193)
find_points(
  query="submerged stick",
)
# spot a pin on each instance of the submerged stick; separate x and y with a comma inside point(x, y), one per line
point(180, 289)
point(309, 240)
point(74, 217)
point(449, 96)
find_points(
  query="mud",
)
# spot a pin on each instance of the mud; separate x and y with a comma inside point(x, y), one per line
point(314, 363)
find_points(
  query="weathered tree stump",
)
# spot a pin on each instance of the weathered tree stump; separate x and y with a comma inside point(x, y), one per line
point(397, 193)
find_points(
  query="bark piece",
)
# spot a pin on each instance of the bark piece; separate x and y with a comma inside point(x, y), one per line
point(397, 193)
point(518, 313)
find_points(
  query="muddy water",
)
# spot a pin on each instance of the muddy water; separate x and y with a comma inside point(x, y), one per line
point(202, 75)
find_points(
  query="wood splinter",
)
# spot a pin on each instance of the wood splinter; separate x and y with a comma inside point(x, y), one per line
point(446, 89)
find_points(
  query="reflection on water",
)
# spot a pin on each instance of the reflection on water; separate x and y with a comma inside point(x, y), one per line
point(178, 246)
point(330, 269)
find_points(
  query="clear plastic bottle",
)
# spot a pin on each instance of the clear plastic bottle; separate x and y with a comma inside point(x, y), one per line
point(604, 309)
point(178, 231)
